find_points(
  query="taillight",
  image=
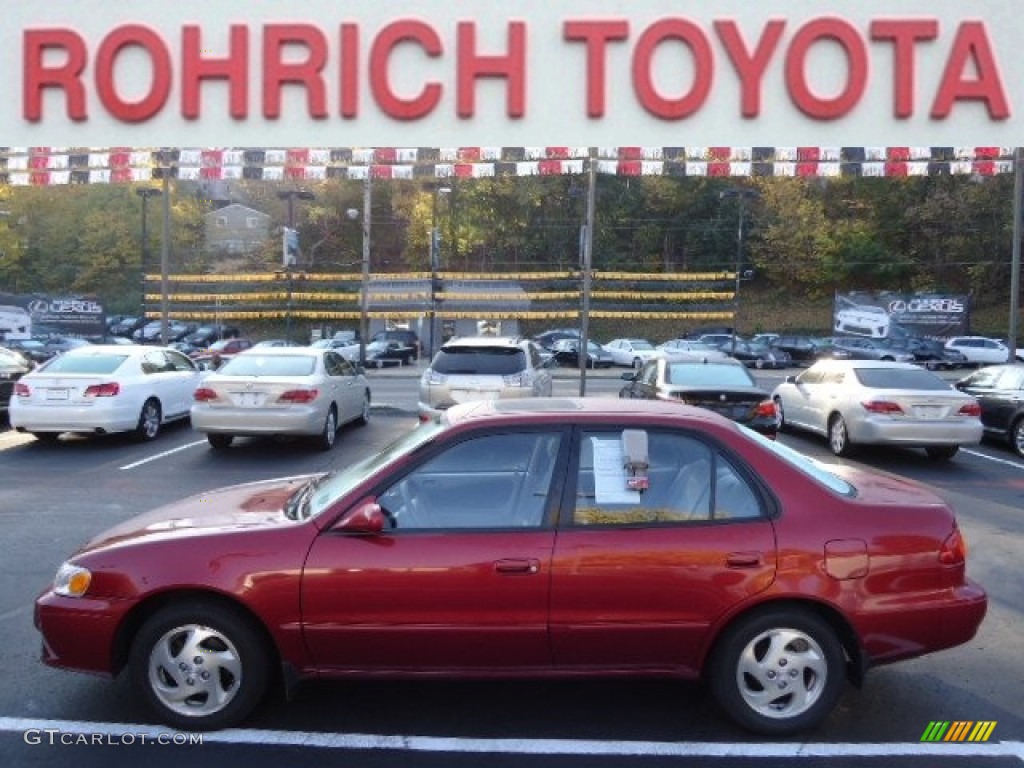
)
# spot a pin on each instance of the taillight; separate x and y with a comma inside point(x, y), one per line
point(954, 549)
point(107, 389)
point(204, 395)
point(971, 409)
point(765, 408)
point(882, 406)
point(298, 396)
point(22, 390)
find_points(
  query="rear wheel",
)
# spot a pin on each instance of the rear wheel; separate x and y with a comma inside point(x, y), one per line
point(941, 452)
point(778, 672)
point(220, 442)
point(780, 415)
point(149, 421)
point(325, 440)
point(838, 436)
point(1017, 436)
point(46, 437)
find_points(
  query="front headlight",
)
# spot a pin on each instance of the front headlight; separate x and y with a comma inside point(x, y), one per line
point(71, 580)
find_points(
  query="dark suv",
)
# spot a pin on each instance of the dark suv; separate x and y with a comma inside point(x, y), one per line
point(406, 337)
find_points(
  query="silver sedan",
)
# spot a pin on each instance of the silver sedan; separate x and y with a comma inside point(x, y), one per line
point(281, 391)
point(869, 402)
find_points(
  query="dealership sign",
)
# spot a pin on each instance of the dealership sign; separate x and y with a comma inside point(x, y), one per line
point(23, 316)
point(896, 315)
point(573, 72)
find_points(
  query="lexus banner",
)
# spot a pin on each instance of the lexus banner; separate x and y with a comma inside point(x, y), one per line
point(895, 315)
point(23, 316)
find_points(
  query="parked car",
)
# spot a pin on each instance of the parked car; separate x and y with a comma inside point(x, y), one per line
point(581, 537)
point(13, 366)
point(54, 345)
point(100, 389)
point(723, 386)
point(547, 339)
point(34, 349)
point(871, 349)
point(980, 350)
point(337, 343)
point(692, 347)
point(127, 325)
point(631, 353)
point(205, 335)
point(723, 341)
point(999, 390)
point(566, 352)
point(403, 335)
point(275, 343)
point(482, 368)
point(865, 402)
point(766, 338)
point(759, 356)
point(930, 353)
point(801, 349)
point(280, 391)
point(226, 348)
point(151, 332)
point(379, 354)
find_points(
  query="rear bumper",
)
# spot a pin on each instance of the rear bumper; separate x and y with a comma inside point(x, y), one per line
point(72, 418)
point(252, 421)
point(896, 432)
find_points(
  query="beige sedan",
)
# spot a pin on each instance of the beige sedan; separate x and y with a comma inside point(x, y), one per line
point(876, 402)
point(281, 391)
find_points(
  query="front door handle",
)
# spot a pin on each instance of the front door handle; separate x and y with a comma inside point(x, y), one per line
point(743, 559)
point(515, 565)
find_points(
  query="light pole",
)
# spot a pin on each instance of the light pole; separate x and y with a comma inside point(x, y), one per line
point(435, 265)
point(145, 193)
point(290, 195)
point(742, 195)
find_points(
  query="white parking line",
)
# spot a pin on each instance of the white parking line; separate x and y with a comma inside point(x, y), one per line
point(158, 456)
point(362, 741)
point(1006, 462)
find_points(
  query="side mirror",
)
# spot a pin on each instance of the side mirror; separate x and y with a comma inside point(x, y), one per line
point(367, 518)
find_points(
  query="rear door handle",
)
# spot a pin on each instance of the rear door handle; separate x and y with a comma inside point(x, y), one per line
point(744, 559)
point(515, 565)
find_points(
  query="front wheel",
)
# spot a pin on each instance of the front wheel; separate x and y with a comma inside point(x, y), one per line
point(1017, 436)
point(220, 442)
point(200, 666)
point(779, 672)
point(839, 437)
point(364, 417)
point(149, 421)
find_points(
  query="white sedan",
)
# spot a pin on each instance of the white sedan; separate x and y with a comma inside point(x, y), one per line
point(100, 389)
point(632, 353)
point(281, 391)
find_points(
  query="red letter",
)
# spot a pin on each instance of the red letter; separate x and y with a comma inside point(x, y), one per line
point(159, 90)
point(276, 72)
point(389, 38)
point(512, 67)
point(750, 68)
point(643, 83)
point(971, 44)
point(348, 80)
point(66, 76)
point(195, 68)
point(596, 35)
point(840, 32)
point(904, 35)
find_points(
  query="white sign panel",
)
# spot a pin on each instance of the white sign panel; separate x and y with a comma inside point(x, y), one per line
point(488, 73)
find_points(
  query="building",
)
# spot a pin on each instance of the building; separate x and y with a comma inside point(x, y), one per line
point(236, 229)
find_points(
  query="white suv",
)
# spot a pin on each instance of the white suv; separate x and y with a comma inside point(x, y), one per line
point(482, 368)
point(980, 350)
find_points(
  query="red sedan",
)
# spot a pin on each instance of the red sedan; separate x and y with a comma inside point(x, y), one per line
point(527, 538)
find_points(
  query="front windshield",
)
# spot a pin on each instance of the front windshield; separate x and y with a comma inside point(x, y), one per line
point(335, 485)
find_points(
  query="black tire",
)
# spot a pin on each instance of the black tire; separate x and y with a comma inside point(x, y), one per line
point(838, 436)
point(220, 442)
point(637, 364)
point(48, 438)
point(198, 637)
point(364, 417)
point(327, 437)
point(785, 650)
point(1017, 436)
point(941, 452)
point(150, 421)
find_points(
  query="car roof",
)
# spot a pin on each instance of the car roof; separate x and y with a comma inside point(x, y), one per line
point(283, 351)
point(846, 364)
point(484, 341)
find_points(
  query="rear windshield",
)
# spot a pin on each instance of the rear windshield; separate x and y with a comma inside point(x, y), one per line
point(495, 361)
point(269, 365)
point(85, 363)
point(902, 378)
point(709, 375)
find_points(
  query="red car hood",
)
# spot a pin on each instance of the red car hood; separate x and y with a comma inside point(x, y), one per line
point(223, 509)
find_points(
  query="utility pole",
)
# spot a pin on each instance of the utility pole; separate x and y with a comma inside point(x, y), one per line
point(587, 243)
